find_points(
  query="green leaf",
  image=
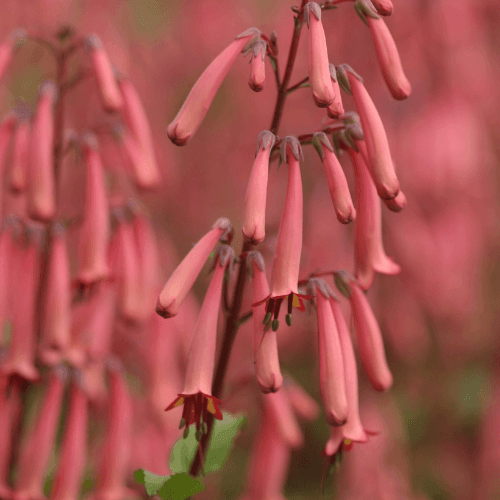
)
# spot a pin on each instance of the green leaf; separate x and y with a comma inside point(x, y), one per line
point(183, 454)
point(153, 482)
point(180, 487)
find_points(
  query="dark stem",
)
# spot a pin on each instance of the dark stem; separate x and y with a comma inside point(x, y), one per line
point(59, 113)
point(298, 85)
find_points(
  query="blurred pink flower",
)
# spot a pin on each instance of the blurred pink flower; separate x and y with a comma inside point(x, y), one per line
point(15, 40)
point(20, 153)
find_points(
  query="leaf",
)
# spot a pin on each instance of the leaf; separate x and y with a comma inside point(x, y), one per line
point(183, 454)
point(153, 482)
point(180, 487)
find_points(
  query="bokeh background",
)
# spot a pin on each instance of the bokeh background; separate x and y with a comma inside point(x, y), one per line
point(440, 423)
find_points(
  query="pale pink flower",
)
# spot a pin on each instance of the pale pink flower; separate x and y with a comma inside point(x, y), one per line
point(337, 182)
point(303, 404)
point(20, 153)
point(184, 276)
point(383, 7)
point(265, 343)
point(109, 92)
point(369, 250)
point(336, 108)
point(15, 40)
point(257, 66)
point(331, 364)
point(41, 176)
point(197, 103)
point(254, 218)
point(319, 65)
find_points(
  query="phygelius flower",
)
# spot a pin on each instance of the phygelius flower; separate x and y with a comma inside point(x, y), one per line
point(184, 276)
point(337, 182)
point(379, 155)
point(319, 65)
point(331, 364)
point(56, 300)
point(41, 177)
point(109, 92)
point(383, 7)
point(370, 342)
point(200, 97)
point(369, 253)
point(94, 234)
point(20, 151)
point(15, 40)
point(254, 218)
point(265, 343)
point(257, 66)
point(286, 262)
point(197, 393)
point(336, 108)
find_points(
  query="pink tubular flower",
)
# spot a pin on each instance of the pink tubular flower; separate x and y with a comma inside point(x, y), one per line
point(257, 66)
point(319, 66)
point(197, 393)
point(68, 478)
point(6, 260)
point(14, 40)
point(184, 276)
point(94, 234)
point(41, 178)
point(379, 159)
point(303, 404)
point(265, 344)
point(109, 92)
point(146, 172)
point(254, 219)
point(388, 59)
point(337, 183)
point(336, 108)
point(20, 153)
point(200, 97)
point(369, 250)
point(331, 364)
point(36, 452)
point(56, 305)
point(396, 204)
point(6, 130)
point(383, 7)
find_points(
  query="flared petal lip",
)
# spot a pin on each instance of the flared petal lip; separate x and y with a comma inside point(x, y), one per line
point(214, 408)
point(299, 305)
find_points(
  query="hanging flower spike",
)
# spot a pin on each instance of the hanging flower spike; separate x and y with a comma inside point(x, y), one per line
point(14, 41)
point(20, 153)
point(41, 178)
point(257, 66)
point(331, 364)
point(336, 108)
point(94, 234)
point(286, 262)
point(200, 97)
point(146, 172)
point(265, 343)
point(369, 253)
point(184, 276)
point(254, 219)
point(370, 342)
point(197, 393)
point(379, 154)
point(337, 182)
point(383, 7)
point(319, 66)
point(109, 92)
point(396, 204)
point(36, 452)
point(56, 300)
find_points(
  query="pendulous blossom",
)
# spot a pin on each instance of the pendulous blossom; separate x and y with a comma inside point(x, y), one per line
point(184, 276)
point(336, 108)
point(337, 182)
point(383, 7)
point(197, 103)
point(319, 66)
point(197, 393)
point(254, 218)
point(20, 152)
point(303, 404)
point(396, 204)
point(7, 48)
point(257, 66)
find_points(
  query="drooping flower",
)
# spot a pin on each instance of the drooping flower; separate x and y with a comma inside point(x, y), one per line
point(383, 7)
point(15, 40)
point(254, 219)
point(184, 276)
point(396, 204)
point(257, 66)
point(336, 108)
point(303, 404)
point(197, 103)
point(20, 152)
point(8, 232)
point(319, 65)
point(337, 182)
point(197, 393)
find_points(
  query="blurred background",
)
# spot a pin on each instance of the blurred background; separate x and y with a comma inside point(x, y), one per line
point(440, 423)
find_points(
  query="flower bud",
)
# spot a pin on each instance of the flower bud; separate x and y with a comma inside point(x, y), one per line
point(336, 108)
point(396, 204)
point(257, 66)
point(383, 7)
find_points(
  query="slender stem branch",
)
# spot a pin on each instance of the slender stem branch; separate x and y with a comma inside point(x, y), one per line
point(59, 113)
point(298, 85)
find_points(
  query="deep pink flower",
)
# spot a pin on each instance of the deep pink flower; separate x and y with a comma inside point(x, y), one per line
point(257, 66)
point(200, 97)
point(15, 40)
point(383, 7)
point(319, 65)
point(337, 182)
point(336, 108)
point(20, 152)
point(254, 218)
point(184, 276)
point(41, 177)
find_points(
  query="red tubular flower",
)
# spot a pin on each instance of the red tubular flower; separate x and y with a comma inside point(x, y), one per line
point(200, 97)
point(109, 92)
point(41, 178)
point(331, 364)
point(383, 7)
point(319, 66)
point(197, 393)
point(94, 234)
point(20, 153)
point(15, 40)
point(265, 344)
point(336, 108)
point(369, 250)
point(56, 305)
point(184, 276)
point(257, 66)
point(254, 219)
point(337, 182)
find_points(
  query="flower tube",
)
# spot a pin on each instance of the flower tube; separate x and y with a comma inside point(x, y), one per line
point(336, 108)
point(257, 66)
point(383, 7)
point(20, 154)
